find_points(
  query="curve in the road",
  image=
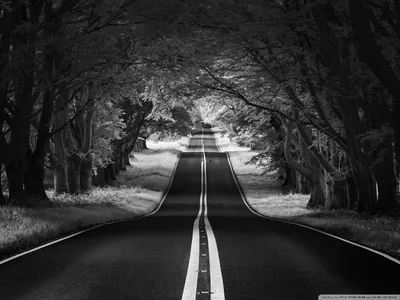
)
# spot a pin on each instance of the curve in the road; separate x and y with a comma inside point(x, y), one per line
point(149, 258)
point(297, 224)
point(99, 225)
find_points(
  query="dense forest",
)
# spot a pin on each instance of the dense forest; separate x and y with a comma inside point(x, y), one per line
point(312, 85)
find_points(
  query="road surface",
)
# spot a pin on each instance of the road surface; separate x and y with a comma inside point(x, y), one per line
point(203, 243)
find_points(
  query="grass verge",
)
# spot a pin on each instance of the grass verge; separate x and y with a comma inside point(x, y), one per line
point(262, 192)
point(136, 192)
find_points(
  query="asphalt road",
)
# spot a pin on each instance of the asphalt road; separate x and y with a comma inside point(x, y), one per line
point(149, 258)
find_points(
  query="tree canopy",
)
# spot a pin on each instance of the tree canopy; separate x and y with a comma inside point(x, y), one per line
point(311, 85)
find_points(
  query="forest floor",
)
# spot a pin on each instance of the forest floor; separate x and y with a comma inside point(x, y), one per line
point(136, 192)
point(262, 192)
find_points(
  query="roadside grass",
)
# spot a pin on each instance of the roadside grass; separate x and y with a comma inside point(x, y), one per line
point(263, 194)
point(136, 192)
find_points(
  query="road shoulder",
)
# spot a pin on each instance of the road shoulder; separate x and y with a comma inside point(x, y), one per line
point(137, 192)
point(263, 194)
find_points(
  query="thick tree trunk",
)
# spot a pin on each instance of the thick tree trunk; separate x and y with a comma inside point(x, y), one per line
point(140, 144)
point(302, 184)
point(18, 162)
point(353, 126)
point(73, 171)
point(338, 195)
point(85, 123)
point(86, 173)
point(372, 55)
point(24, 99)
point(366, 192)
point(144, 144)
point(336, 188)
point(15, 179)
point(5, 41)
point(311, 173)
point(317, 197)
point(34, 178)
point(290, 178)
point(60, 154)
point(60, 178)
point(60, 170)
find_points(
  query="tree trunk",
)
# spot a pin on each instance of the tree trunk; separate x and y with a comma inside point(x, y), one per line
point(126, 159)
point(144, 144)
point(353, 126)
point(85, 123)
point(2, 199)
point(121, 162)
point(60, 178)
point(366, 192)
point(86, 173)
point(5, 41)
point(369, 52)
point(140, 144)
point(60, 170)
point(116, 167)
point(73, 171)
point(302, 184)
point(385, 176)
point(317, 197)
point(107, 174)
point(34, 178)
point(24, 100)
point(18, 162)
point(110, 173)
point(397, 148)
point(99, 177)
point(338, 195)
point(15, 179)
point(311, 173)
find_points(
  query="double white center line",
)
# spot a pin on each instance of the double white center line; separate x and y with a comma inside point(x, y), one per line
point(200, 255)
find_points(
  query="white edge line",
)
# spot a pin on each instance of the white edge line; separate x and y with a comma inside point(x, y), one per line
point(297, 224)
point(190, 288)
point(216, 280)
point(104, 224)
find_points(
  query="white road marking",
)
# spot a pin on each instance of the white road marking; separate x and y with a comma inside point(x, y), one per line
point(189, 290)
point(101, 225)
point(216, 281)
point(297, 224)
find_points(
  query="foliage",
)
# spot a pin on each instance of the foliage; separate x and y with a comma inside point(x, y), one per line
point(108, 126)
